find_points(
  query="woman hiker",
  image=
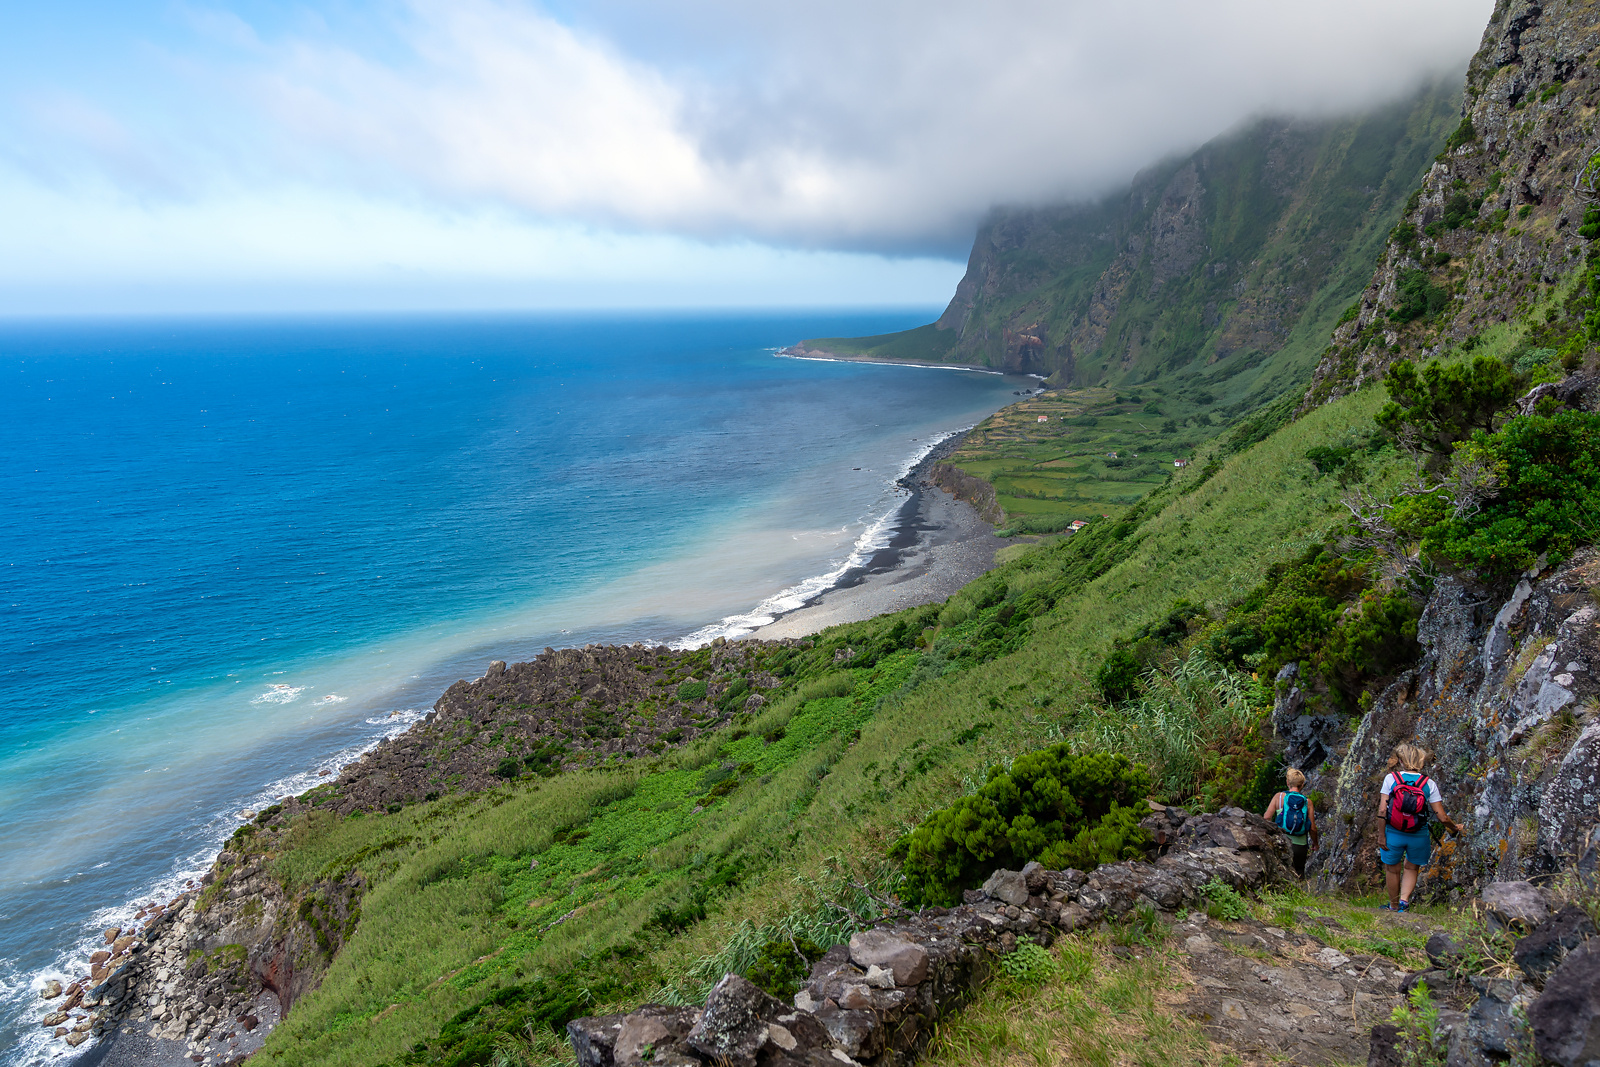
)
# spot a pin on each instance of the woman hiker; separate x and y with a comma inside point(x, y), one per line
point(1407, 795)
point(1293, 811)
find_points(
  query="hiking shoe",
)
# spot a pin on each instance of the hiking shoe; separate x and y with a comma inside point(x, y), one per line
point(1386, 907)
point(1405, 905)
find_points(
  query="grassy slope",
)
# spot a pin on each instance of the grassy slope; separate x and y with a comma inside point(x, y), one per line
point(455, 911)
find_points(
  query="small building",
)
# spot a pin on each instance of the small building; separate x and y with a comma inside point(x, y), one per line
point(1078, 524)
point(1044, 418)
point(1180, 463)
point(1111, 455)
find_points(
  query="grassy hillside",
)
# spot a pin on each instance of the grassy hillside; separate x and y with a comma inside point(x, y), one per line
point(598, 888)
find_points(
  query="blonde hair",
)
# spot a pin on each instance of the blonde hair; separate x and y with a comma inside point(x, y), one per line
point(1408, 758)
point(1295, 778)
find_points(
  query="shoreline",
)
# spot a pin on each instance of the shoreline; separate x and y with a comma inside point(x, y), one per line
point(937, 544)
point(934, 544)
point(822, 355)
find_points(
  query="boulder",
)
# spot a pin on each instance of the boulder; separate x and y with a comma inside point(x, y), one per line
point(740, 1023)
point(1542, 951)
point(1566, 1017)
point(51, 990)
point(112, 933)
point(1515, 905)
point(1008, 887)
point(907, 960)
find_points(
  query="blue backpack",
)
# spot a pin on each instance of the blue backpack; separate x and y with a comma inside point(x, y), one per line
point(1292, 815)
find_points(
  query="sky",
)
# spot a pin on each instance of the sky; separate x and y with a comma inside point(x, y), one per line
point(159, 156)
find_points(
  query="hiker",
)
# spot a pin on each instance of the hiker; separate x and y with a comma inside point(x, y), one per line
point(1406, 797)
point(1293, 811)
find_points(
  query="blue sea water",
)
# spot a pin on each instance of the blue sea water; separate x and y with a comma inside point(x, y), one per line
point(235, 553)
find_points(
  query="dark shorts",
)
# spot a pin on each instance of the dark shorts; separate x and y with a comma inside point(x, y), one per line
point(1416, 847)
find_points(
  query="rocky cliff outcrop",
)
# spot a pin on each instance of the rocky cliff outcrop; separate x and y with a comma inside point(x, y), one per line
point(1505, 697)
point(572, 706)
point(1494, 225)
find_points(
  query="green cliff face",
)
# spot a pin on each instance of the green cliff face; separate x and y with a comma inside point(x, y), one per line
point(1221, 273)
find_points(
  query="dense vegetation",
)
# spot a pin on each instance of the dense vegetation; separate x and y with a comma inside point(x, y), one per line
point(1024, 718)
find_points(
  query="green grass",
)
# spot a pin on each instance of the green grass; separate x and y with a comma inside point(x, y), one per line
point(799, 803)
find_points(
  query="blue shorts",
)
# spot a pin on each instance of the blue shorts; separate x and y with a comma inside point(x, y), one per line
point(1416, 846)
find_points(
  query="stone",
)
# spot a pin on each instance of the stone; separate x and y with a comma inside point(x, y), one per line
point(51, 990)
point(1566, 1017)
point(1542, 951)
point(1072, 917)
point(1008, 887)
point(651, 1027)
point(1442, 950)
point(906, 959)
point(730, 1031)
point(1434, 979)
point(99, 958)
point(857, 1033)
point(112, 933)
point(76, 1038)
point(594, 1039)
point(55, 1018)
point(1332, 957)
point(1035, 877)
point(1492, 1024)
point(1515, 905)
point(878, 978)
point(1199, 945)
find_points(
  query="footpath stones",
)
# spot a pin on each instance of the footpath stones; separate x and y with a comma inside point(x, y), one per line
point(874, 1000)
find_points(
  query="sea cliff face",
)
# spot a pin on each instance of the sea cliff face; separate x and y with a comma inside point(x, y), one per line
point(1229, 265)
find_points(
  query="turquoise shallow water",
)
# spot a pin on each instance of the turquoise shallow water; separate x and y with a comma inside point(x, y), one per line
point(236, 553)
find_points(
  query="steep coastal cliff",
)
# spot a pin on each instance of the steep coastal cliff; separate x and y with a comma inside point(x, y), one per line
point(1226, 268)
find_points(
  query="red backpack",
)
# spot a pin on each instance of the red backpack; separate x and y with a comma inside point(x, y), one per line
point(1408, 804)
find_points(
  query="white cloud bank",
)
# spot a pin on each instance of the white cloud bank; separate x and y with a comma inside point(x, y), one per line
point(486, 147)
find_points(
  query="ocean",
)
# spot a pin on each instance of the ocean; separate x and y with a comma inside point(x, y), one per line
point(236, 553)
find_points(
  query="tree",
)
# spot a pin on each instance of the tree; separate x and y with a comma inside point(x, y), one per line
point(1430, 411)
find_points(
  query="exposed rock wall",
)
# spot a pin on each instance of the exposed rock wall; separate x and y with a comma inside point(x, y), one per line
point(1532, 90)
point(974, 490)
point(875, 1000)
point(1505, 697)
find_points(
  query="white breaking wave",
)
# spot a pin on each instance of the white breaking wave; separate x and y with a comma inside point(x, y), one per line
point(279, 693)
point(873, 538)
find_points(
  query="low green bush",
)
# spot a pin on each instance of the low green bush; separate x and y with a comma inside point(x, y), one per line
point(1222, 901)
point(1029, 965)
point(783, 965)
point(691, 690)
point(1056, 806)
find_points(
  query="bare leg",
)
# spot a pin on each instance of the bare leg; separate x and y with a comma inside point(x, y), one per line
point(1391, 882)
point(1408, 881)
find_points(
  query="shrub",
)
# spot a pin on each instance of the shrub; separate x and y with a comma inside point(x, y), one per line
point(1029, 964)
point(783, 965)
point(1418, 297)
point(1058, 807)
point(1440, 405)
point(1548, 501)
point(1118, 677)
point(1463, 134)
point(1224, 902)
point(509, 767)
point(691, 690)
